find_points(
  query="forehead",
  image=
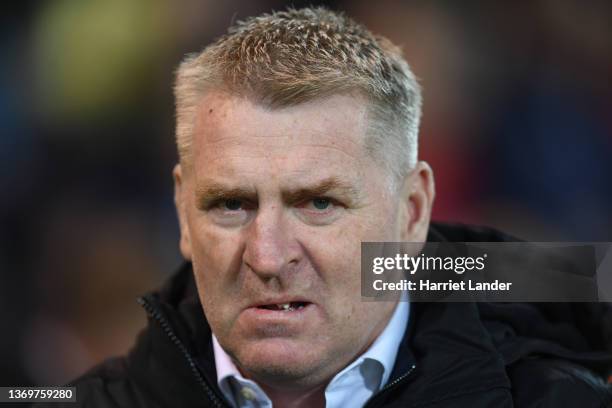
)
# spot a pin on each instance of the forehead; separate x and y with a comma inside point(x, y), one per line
point(234, 135)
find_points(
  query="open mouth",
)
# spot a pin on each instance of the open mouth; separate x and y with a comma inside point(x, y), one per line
point(284, 307)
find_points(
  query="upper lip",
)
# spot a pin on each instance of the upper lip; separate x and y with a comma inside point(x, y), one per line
point(279, 301)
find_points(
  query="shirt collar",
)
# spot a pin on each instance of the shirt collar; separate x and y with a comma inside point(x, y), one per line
point(384, 349)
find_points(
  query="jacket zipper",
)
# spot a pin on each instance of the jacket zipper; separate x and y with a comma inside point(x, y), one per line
point(155, 314)
point(392, 384)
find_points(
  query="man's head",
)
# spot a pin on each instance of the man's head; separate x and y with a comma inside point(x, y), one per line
point(297, 140)
point(287, 58)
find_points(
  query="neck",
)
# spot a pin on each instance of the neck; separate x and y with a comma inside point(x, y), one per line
point(314, 397)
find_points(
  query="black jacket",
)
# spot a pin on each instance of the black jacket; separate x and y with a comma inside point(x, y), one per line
point(452, 354)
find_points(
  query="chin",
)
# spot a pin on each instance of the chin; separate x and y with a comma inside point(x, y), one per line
point(280, 360)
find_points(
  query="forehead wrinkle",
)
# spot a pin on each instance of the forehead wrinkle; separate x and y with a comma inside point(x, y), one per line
point(261, 116)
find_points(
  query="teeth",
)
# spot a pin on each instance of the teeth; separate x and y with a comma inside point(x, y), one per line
point(284, 307)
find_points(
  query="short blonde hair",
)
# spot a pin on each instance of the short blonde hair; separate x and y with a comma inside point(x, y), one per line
point(289, 57)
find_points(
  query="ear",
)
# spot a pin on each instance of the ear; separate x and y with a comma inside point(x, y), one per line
point(418, 192)
point(179, 202)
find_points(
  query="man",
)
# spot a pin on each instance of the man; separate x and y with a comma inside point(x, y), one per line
point(297, 138)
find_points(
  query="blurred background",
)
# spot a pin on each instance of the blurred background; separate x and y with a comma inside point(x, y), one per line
point(517, 127)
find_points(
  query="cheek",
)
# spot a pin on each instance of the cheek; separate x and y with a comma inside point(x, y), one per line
point(336, 253)
point(335, 257)
point(214, 249)
point(216, 261)
point(352, 321)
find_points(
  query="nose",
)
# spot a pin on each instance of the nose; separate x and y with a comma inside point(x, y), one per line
point(270, 250)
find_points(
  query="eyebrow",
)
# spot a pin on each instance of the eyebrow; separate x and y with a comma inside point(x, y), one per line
point(329, 185)
point(211, 191)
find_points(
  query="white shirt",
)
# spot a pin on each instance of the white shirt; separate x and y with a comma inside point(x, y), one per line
point(351, 387)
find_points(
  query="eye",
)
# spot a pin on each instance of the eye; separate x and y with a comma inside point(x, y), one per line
point(231, 204)
point(231, 212)
point(321, 203)
point(321, 206)
point(320, 210)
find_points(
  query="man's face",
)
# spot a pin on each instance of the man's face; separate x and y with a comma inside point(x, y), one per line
point(273, 210)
